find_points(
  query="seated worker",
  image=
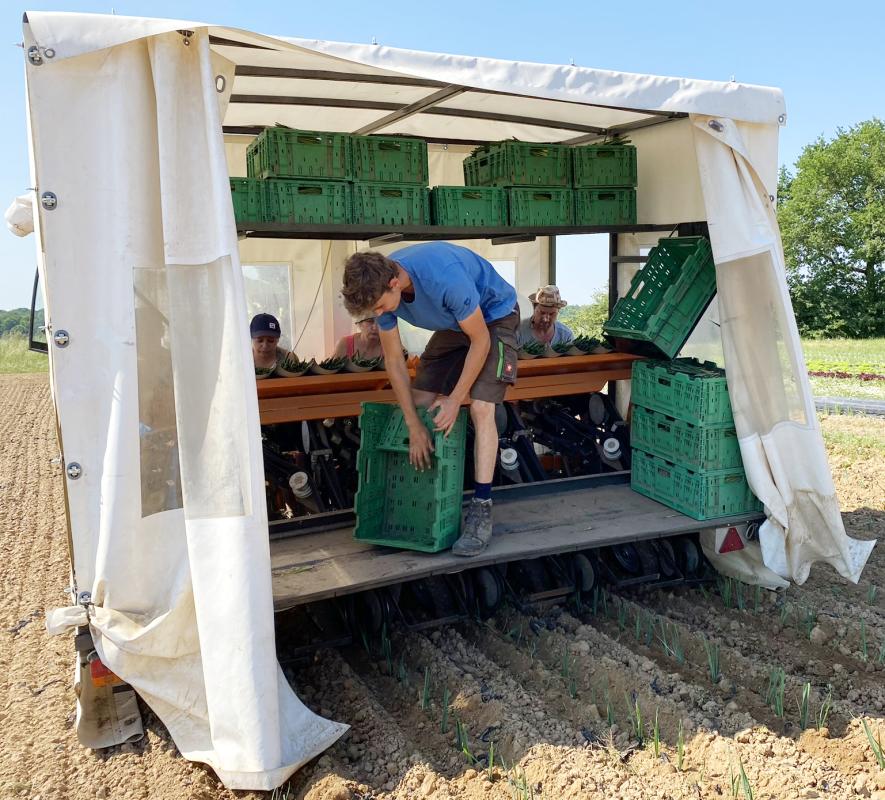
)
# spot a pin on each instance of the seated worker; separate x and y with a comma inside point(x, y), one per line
point(364, 343)
point(542, 326)
point(471, 357)
point(265, 331)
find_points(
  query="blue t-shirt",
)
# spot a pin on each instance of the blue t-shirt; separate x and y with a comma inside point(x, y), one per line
point(450, 283)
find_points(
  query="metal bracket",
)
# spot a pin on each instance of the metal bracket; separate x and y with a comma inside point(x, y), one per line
point(49, 201)
point(34, 55)
point(186, 36)
point(61, 338)
point(74, 470)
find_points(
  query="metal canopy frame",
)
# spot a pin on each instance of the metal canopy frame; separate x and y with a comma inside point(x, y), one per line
point(429, 104)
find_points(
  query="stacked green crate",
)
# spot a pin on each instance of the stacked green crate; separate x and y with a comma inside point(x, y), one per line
point(537, 178)
point(666, 298)
point(295, 177)
point(390, 181)
point(397, 505)
point(685, 448)
point(605, 177)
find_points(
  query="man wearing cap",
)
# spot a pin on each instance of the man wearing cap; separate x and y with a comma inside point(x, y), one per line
point(542, 325)
point(471, 357)
point(265, 331)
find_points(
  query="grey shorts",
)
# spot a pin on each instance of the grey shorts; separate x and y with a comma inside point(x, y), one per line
point(442, 361)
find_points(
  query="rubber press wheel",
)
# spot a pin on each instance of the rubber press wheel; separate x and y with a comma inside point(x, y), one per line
point(687, 555)
point(666, 558)
point(626, 557)
point(585, 574)
point(488, 591)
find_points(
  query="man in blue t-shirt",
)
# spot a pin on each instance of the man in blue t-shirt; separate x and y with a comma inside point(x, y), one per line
point(471, 357)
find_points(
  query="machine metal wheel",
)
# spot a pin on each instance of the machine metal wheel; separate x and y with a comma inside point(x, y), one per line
point(488, 589)
point(666, 558)
point(585, 574)
point(627, 557)
point(688, 556)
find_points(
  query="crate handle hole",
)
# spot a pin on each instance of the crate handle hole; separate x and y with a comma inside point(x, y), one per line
point(543, 152)
point(543, 196)
point(310, 139)
point(607, 196)
point(638, 290)
point(391, 192)
point(472, 195)
point(310, 190)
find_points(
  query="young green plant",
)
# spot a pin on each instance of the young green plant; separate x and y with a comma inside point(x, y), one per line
point(875, 745)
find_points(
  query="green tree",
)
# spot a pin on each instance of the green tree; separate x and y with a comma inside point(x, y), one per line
point(832, 219)
point(587, 319)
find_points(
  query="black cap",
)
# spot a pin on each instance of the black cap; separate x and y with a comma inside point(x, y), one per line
point(264, 325)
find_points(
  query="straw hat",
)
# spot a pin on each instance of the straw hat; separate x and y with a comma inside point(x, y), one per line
point(548, 296)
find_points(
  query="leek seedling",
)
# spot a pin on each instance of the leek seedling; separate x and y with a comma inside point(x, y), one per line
point(425, 696)
point(656, 736)
point(596, 591)
point(757, 599)
point(881, 658)
point(604, 603)
point(573, 687)
point(609, 710)
point(775, 696)
point(402, 676)
point(444, 722)
point(636, 720)
point(712, 651)
point(809, 622)
point(649, 629)
point(739, 595)
point(622, 616)
point(533, 348)
point(824, 711)
point(725, 589)
point(872, 591)
point(863, 640)
point(745, 781)
point(637, 625)
point(561, 347)
point(680, 747)
point(490, 772)
point(875, 744)
point(803, 706)
point(784, 613)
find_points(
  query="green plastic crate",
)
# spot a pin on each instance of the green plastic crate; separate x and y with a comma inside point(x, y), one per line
point(666, 298)
point(390, 204)
point(538, 207)
point(605, 206)
point(288, 153)
point(397, 505)
point(468, 206)
point(604, 165)
point(686, 389)
point(695, 447)
point(519, 164)
point(312, 202)
point(699, 495)
point(251, 200)
point(389, 159)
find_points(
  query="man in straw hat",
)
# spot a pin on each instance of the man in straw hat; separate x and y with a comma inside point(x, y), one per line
point(471, 357)
point(542, 325)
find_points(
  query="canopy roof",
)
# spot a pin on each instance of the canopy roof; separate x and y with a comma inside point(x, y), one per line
point(443, 98)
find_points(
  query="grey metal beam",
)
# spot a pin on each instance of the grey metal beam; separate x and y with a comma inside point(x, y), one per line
point(415, 108)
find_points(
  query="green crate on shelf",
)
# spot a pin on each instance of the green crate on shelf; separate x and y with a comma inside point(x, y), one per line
point(685, 388)
point(539, 207)
point(699, 495)
point(287, 153)
point(468, 206)
point(389, 159)
point(695, 447)
point(519, 164)
point(605, 207)
point(390, 204)
point(666, 298)
point(604, 165)
point(251, 200)
point(312, 202)
point(397, 505)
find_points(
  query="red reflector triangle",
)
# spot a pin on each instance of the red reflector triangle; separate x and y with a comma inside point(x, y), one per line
point(731, 542)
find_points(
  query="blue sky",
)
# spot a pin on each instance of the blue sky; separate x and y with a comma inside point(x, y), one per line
point(827, 57)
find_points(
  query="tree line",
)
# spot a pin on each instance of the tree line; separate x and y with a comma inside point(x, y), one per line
point(14, 322)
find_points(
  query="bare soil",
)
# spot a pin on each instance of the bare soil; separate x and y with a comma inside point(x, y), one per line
point(548, 704)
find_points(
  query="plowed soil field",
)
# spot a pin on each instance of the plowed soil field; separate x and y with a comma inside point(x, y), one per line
point(555, 702)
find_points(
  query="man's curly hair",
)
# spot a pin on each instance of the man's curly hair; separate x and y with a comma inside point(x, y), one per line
point(367, 276)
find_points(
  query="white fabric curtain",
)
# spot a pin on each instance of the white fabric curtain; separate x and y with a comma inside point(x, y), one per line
point(779, 434)
point(141, 267)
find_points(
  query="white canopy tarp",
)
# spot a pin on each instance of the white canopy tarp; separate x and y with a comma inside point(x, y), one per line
point(138, 260)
